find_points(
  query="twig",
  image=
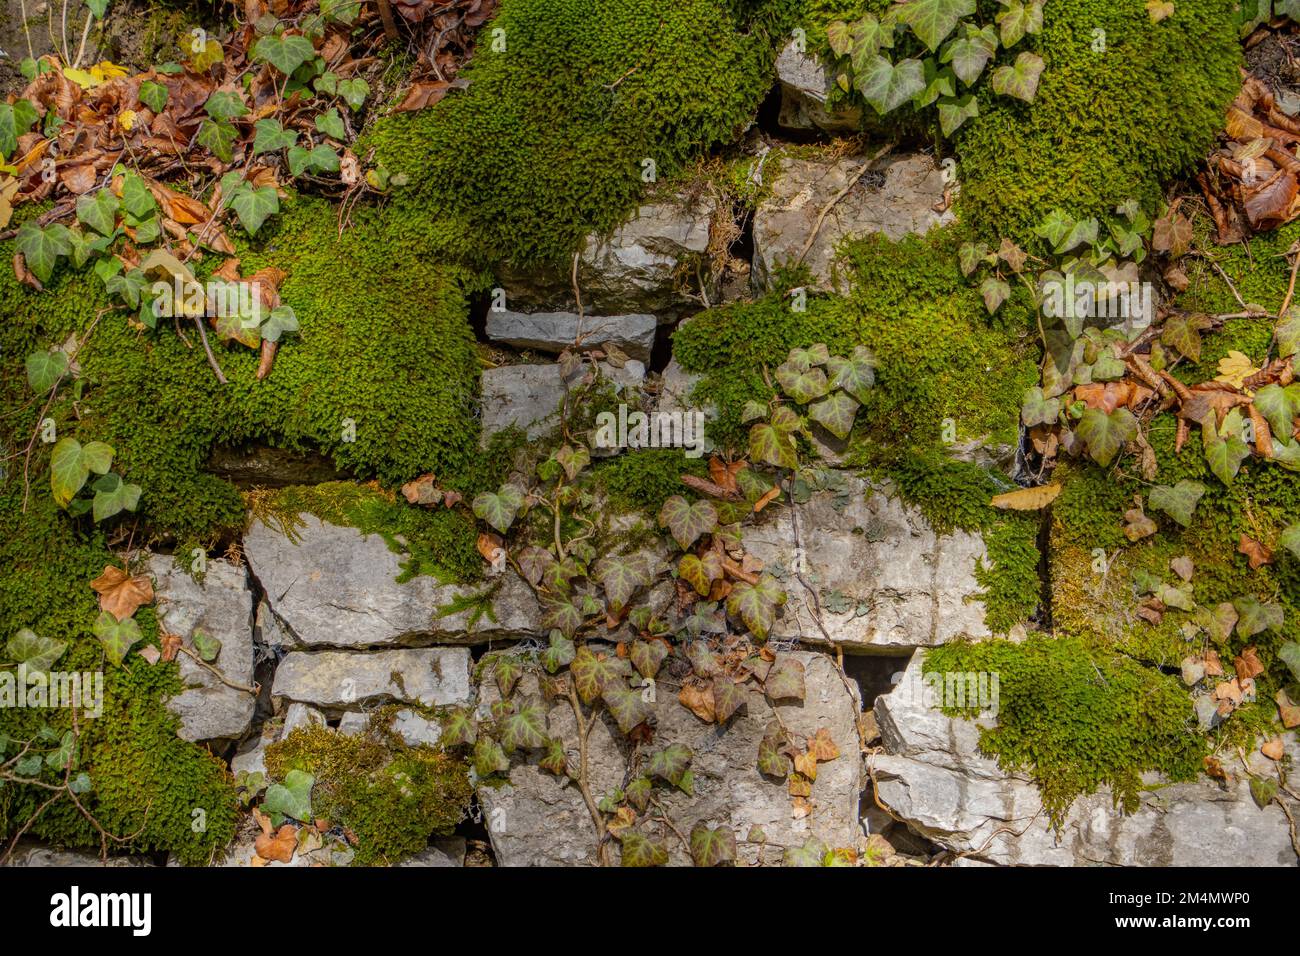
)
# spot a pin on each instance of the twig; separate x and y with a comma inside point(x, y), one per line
point(254, 690)
point(212, 359)
point(866, 167)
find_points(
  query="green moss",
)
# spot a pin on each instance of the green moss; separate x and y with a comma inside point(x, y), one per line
point(393, 797)
point(1104, 126)
point(644, 477)
point(548, 141)
point(1077, 717)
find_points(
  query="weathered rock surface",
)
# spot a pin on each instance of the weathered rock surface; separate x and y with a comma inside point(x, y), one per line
point(445, 851)
point(557, 331)
point(895, 198)
point(336, 587)
point(637, 268)
point(525, 396)
point(222, 606)
point(934, 778)
point(805, 85)
point(884, 579)
point(537, 821)
point(432, 676)
point(37, 854)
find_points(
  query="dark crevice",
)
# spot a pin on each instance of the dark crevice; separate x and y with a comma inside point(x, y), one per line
point(875, 673)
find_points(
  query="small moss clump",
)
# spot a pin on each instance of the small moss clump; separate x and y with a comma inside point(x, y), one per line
point(1077, 717)
point(645, 477)
point(393, 797)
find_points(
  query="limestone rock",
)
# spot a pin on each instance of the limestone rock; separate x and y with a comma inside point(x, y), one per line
point(335, 680)
point(934, 778)
point(222, 607)
point(336, 587)
point(805, 85)
point(557, 331)
point(526, 396)
point(36, 854)
point(537, 821)
point(895, 198)
point(445, 851)
point(885, 579)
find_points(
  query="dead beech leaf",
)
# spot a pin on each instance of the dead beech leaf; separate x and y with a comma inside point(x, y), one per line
point(1274, 749)
point(699, 701)
point(279, 848)
point(120, 594)
point(1256, 554)
point(1028, 499)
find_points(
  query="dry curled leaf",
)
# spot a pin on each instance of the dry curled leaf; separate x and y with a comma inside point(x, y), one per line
point(1256, 554)
point(279, 848)
point(1028, 499)
point(121, 594)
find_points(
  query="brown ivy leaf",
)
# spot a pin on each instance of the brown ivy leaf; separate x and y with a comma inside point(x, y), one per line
point(120, 594)
point(423, 491)
point(1256, 554)
point(1274, 749)
point(822, 745)
point(1213, 666)
point(799, 785)
point(1287, 710)
point(279, 848)
point(1183, 567)
point(699, 701)
point(806, 764)
point(1247, 664)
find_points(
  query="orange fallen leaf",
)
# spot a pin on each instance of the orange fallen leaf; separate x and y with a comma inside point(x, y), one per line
point(1256, 554)
point(699, 701)
point(280, 847)
point(1247, 664)
point(1028, 499)
point(822, 745)
point(120, 594)
point(1274, 749)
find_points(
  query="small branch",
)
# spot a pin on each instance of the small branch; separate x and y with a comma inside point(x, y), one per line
point(207, 349)
point(866, 167)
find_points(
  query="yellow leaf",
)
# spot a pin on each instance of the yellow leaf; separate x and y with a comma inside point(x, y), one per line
point(1028, 499)
point(126, 120)
point(83, 79)
point(1234, 369)
point(8, 189)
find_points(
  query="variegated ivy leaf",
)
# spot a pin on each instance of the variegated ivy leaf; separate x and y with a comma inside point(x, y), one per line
point(728, 697)
point(971, 51)
point(954, 111)
point(995, 291)
point(564, 616)
point(592, 673)
point(1016, 19)
point(638, 792)
point(1020, 80)
point(803, 359)
point(1225, 456)
point(970, 255)
point(1055, 227)
point(1082, 233)
point(458, 728)
point(555, 760)
point(700, 572)
point(560, 652)
point(752, 410)
point(1290, 539)
point(620, 576)
point(755, 604)
point(625, 705)
point(785, 420)
point(1178, 501)
point(802, 384)
point(685, 521)
point(118, 637)
point(1037, 410)
point(1255, 616)
point(559, 575)
point(647, 656)
point(855, 374)
point(771, 446)
point(704, 662)
point(533, 562)
point(1288, 333)
point(933, 20)
point(573, 460)
point(641, 850)
point(813, 853)
point(525, 728)
point(785, 679)
point(1182, 330)
point(712, 846)
point(671, 763)
point(1106, 434)
point(489, 758)
point(499, 508)
point(887, 86)
point(38, 653)
point(771, 757)
point(506, 670)
point(1279, 406)
point(839, 35)
point(835, 413)
point(939, 82)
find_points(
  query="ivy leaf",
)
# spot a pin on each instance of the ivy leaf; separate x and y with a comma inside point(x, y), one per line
point(755, 604)
point(458, 728)
point(71, 464)
point(1263, 790)
point(38, 653)
point(954, 111)
point(506, 671)
point(1288, 333)
point(1035, 409)
point(1081, 232)
point(98, 211)
point(813, 853)
point(771, 758)
point(802, 384)
point(354, 92)
point(555, 760)
point(113, 495)
point(640, 850)
point(573, 460)
point(592, 674)
point(1288, 654)
point(835, 413)
point(1290, 539)
point(1055, 227)
point(253, 206)
point(647, 656)
point(564, 616)
point(771, 446)
point(671, 764)
point(1279, 407)
point(712, 846)
point(1255, 616)
point(1225, 456)
point(728, 697)
point(153, 95)
point(533, 562)
point(840, 36)
point(525, 728)
point(225, 105)
point(620, 576)
point(969, 256)
point(559, 654)
point(1172, 233)
point(1106, 434)
point(118, 637)
point(1182, 331)
point(1017, 19)
point(700, 572)
point(1020, 80)
point(44, 369)
point(855, 374)
point(625, 704)
point(320, 159)
point(887, 86)
point(499, 508)
point(686, 522)
point(785, 679)
point(489, 758)
point(1178, 501)
point(995, 291)
point(285, 53)
point(939, 82)
point(218, 138)
point(331, 124)
point(971, 52)
point(869, 37)
point(41, 248)
point(933, 20)
point(282, 319)
point(271, 136)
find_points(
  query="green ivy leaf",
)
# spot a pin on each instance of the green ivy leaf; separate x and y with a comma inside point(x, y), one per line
point(638, 792)
point(117, 637)
point(113, 495)
point(870, 36)
point(1106, 434)
point(573, 459)
point(969, 256)
point(835, 413)
point(933, 20)
point(331, 124)
point(1016, 19)
point(671, 764)
point(1288, 333)
point(887, 86)
point(271, 136)
point(1289, 654)
point(712, 846)
point(1279, 406)
point(1178, 501)
point(625, 704)
point(282, 319)
point(98, 210)
point(802, 384)
point(41, 248)
point(489, 758)
point(555, 760)
point(354, 92)
point(687, 522)
point(728, 697)
point(1182, 331)
point(218, 138)
point(499, 508)
point(1225, 456)
point(71, 464)
point(525, 728)
point(44, 369)
point(771, 758)
point(136, 198)
point(970, 52)
point(225, 105)
point(559, 654)
point(1290, 539)
point(253, 206)
point(939, 82)
point(755, 604)
point(699, 574)
point(855, 374)
point(38, 653)
point(995, 291)
point(459, 728)
point(640, 850)
point(285, 53)
point(592, 674)
point(772, 446)
point(321, 159)
point(1020, 80)
point(1255, 616)
point(954, 111)
point(620, 576)
point(153, 95)
point(647, 656)
point(1035, 409)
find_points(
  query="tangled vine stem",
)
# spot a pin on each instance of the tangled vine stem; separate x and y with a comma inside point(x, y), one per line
point(583, 780)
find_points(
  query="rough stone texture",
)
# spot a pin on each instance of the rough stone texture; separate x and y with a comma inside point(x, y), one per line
point(413, 728)
point(432, 676)
point(36, 854)
point(337, 588)
point(906, 586)
point(252, 759)
point(446, 851)
point(901, 204)
point(526, 396)
point(222, 606)
point(301, 715)
point(805, 85)
point(934, 778)
point(557, 331)
point(634, 269)
point(535, 821)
